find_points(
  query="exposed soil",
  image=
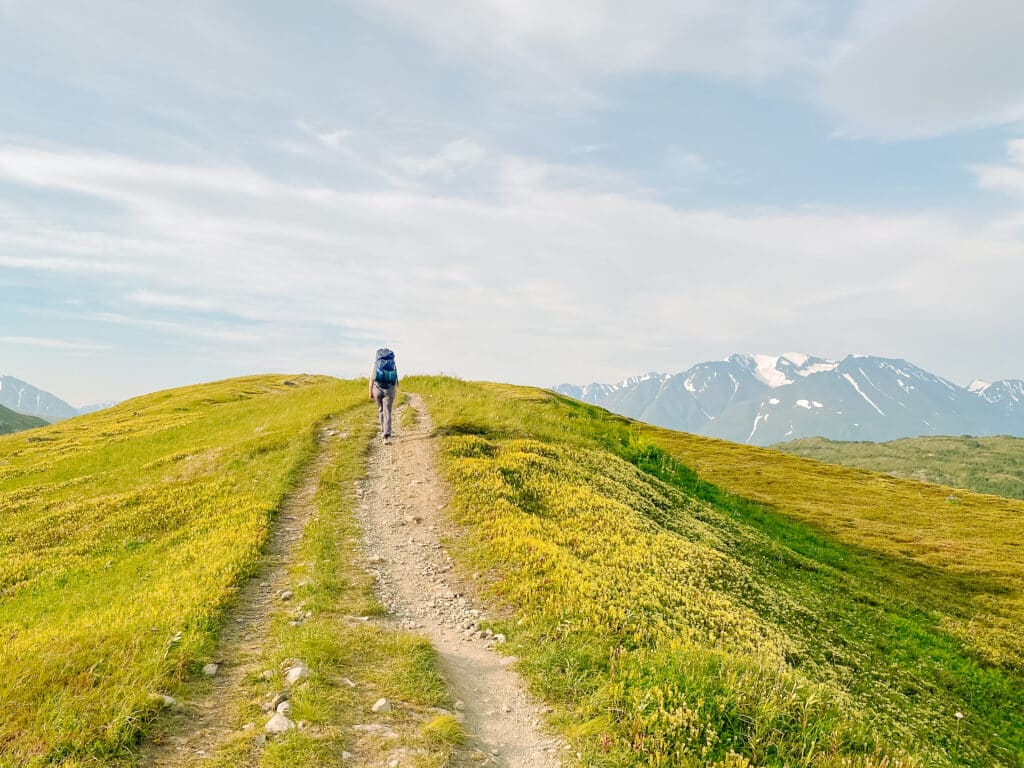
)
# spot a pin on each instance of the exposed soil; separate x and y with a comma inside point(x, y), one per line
point(401, 513)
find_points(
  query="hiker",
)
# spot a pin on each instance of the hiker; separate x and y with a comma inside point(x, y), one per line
point(383, 383)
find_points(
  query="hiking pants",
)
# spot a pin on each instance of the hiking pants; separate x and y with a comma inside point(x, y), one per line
point(385, 397)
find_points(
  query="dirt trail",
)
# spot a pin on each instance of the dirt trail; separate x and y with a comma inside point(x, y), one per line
point(193, 731)
point(400, 511)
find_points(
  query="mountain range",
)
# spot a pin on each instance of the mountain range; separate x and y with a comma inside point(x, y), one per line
point(765, 399)
point(22, 397)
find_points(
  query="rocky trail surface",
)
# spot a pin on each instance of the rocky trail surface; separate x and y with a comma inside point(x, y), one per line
point(401, 506)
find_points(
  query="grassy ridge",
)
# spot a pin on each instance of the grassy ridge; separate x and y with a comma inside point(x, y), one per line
point(984, 464)
point(123, 536)
point(12, 421)
point(678, 624)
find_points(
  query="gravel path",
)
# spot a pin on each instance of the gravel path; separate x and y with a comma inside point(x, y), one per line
point(401, 512)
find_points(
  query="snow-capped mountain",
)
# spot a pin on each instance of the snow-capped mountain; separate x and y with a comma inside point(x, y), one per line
point(765, 399)
point(24, 398)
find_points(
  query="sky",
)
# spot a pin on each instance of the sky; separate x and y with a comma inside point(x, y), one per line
point(517, 190)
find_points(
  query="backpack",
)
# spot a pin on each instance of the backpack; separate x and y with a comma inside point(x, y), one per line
point(385, 372)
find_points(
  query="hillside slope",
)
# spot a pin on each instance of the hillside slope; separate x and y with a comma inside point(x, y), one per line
point(846, 619)
point(678, 600)
point(125, 534)
point(10, 421)
point(985, 464)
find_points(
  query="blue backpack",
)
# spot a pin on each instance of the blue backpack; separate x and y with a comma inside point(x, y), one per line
point(385, 372)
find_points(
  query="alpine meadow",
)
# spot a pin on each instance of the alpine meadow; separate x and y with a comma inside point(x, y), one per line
point(672, 600)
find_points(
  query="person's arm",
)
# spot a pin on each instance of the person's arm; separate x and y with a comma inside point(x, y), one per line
point(372, 371)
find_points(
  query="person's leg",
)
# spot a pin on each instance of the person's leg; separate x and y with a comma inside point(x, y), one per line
point(389, 401)
point(379, 395)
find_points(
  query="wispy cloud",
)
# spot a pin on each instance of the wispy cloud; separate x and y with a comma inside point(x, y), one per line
point(1007, 177)
point(48, 343)
point(500, 284)
point(930, 68)
point(171, 328)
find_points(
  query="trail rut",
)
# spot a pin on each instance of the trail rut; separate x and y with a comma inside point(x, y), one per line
point(401, 513)
point(194, 731)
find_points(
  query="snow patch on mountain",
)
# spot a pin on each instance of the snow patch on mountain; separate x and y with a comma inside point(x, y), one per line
point(808, 404)
point(860, 391)
point(766, 369)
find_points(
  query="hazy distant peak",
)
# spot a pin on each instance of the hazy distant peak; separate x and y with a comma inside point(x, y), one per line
point(762, 398)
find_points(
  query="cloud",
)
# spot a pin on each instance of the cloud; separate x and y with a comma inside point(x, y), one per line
point(48, 343)
point(545, 276)
point(171, 328)
point(455, 158)
point(943, 66)
point(564, 40)
point(172, 301)
point(1008, 178)
point(686, 163)
point(883, 68)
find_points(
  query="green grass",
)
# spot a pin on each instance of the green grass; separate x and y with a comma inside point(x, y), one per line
point(680, 601)
point(12, 421)
point(690, 602)
point(124, 535)
point(984, 464)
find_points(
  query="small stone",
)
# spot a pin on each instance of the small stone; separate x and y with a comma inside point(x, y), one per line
point(296, 674)
point(248, 726)
point(284, 708)
point(287, 594)
point(278, 724)
point(210, 669)
point(278, 698)
point(167, 701)
point(349, 683)
point(382, 705)
point(499, 638)
point(346, 756)
point(460, 705)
